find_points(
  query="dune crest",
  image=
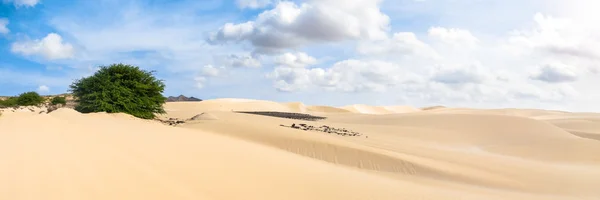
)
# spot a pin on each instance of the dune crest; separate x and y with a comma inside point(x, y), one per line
point(401, 153)
point(379, 110)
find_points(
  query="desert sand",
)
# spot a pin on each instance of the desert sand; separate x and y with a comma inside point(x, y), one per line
point(402, 153)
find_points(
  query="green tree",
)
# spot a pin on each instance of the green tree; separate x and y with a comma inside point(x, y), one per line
point(29, 99)
point(120, 88)
point(58, 100)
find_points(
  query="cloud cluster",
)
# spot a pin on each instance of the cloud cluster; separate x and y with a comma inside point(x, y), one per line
point(410, 50)
point(290, 25)
point(345, 76)
point(297, 59)
point(454, 65)
point(454, 36)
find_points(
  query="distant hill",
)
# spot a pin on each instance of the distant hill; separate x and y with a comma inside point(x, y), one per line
point(182, 98)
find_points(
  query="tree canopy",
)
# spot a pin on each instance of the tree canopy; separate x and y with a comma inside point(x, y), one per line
point(120, 88)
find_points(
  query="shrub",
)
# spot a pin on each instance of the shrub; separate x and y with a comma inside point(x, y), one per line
point(10, 102)
point(58, 100)
point(120, 88)
point(29, 99)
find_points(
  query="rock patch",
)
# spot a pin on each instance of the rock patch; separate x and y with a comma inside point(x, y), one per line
point(171, 121)
point(204, 116)
point(325, 129)
point(178, 121)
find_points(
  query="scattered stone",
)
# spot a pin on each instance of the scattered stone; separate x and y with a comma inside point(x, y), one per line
point(203, 116)
point(326, 129)
point(176, 121)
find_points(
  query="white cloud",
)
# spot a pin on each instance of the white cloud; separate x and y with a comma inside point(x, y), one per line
point(401, 44)
point(453, 36)
point(51, 47)
point(557, 37)
point(206, 73)
point(234, 60)
point(345, 76)
point(291, 25)
point(427, 57)
point(210, 71)
point(3, 26)
point(200, 81)
point(23, 3)
point(462, 74)
point(297, 59)
point(253, 4)
point(43, 89)
point(555, 73)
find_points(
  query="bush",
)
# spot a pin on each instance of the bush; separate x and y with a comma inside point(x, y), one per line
point(30, 99)
point(58, 100)
point(120, 88)
point(10, 102)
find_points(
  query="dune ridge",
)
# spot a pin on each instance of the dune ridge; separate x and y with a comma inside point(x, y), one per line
point(403, 153)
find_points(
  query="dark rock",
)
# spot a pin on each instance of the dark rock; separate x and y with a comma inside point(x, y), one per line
point(182, 98)
point(325, 129)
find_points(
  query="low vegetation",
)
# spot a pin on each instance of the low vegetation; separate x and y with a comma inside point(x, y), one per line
point(30, 99)
point(10, 102)
point(25, 99)
point(120, 88)
point(117, 88)
point(58, 100)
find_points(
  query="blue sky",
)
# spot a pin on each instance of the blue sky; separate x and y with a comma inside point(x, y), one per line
point(471, 53)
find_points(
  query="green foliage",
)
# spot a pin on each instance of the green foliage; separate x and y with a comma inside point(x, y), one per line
point(120, 88)
point(25, 99)
point(10, 102)
point(58, 100)
point(30, 99)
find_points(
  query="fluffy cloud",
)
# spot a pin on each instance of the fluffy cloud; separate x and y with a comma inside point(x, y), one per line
point(453, 36)
point(206, 73)
point(417, 52)
point(43, 89)
point(234, 60)
point(557, 37)
point(555, 73)
point(290, 25)
point(3, 24)
point(25, 3)
point(474, 73)
point(51, 47)
point(401, 44)
point(253, 4)
point(210, 71)
point(298, 59)
point(345, 76)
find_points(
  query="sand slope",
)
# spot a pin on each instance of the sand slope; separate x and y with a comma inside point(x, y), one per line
point(404, 153)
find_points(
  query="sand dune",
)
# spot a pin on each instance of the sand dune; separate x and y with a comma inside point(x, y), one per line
point(379, 110)
point(403, 153)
